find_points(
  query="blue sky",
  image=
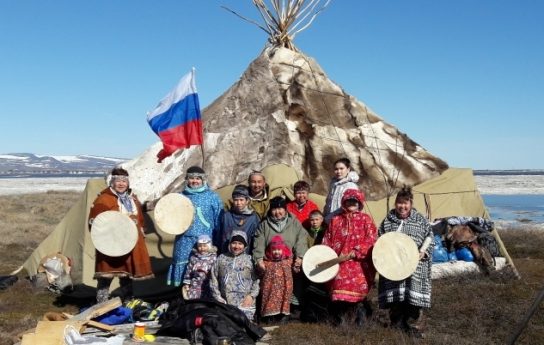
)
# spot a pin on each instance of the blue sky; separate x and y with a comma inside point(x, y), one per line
point(464, 78)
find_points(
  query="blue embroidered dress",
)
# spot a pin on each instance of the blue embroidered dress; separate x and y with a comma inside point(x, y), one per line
point(207, 221)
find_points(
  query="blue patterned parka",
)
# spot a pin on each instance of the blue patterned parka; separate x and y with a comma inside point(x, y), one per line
point(233, 278)
point(206, 221)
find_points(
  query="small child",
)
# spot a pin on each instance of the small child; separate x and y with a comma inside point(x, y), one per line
point(233, 278)
point(301, 207)
point(277, 282)
point(317, 228)
point(196, 282)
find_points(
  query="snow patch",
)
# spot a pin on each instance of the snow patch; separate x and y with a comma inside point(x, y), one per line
point(13, 157)
point(116, 160)
point(510, 184)
point(13, 186)
point(68, 159)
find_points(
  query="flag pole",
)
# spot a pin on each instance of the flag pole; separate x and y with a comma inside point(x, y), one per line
point(193, 71)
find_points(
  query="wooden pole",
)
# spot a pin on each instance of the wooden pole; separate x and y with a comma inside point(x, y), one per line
point(527, 317)
point(505, 253)
point(203, 159)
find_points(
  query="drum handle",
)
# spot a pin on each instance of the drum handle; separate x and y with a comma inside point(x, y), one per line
point(332, 262)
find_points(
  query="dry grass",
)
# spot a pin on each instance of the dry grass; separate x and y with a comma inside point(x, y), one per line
point(25, 220)
point(472, 309)
point(466, 310)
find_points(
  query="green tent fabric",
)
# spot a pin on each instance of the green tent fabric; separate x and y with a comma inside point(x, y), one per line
point(71, 237)
point(453, 193)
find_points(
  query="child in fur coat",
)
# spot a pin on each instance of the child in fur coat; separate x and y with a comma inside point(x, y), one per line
point(196, 282)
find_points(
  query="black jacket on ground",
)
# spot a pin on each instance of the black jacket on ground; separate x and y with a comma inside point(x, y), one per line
point(216, 320)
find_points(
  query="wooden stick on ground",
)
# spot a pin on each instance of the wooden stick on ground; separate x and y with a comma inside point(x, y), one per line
point(98, 309)
point(527, 317)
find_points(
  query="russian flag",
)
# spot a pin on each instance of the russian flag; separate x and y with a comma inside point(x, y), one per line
point(176, 119)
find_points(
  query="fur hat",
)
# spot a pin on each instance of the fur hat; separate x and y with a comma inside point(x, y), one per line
point(278, 202)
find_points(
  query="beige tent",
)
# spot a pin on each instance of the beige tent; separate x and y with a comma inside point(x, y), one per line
point(453, 193)
point(71, 237)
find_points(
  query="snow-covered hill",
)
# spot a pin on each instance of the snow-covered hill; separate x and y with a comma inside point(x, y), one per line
point(27, 163)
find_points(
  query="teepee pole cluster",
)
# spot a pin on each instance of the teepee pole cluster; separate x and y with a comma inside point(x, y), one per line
point(284, 19)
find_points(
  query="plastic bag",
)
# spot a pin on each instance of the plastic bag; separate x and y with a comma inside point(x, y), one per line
point(73, 337)
point(439, 252)
point(464, 254)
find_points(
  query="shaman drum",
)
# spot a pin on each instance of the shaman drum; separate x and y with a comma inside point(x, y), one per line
point(395, 256)
point(114, 233)
point(174, 214)
point(318, 264)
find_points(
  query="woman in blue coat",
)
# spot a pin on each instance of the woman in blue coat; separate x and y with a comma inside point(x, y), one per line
point(206, 221)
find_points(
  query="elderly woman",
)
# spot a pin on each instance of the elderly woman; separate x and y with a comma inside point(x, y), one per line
point(132, 266)
point(281, 222)
point(344, 178)
point(406, 298)
point(206, 221)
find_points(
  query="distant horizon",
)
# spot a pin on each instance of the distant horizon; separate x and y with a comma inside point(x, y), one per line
point(124, 159)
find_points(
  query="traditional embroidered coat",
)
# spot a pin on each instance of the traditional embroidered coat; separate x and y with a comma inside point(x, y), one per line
point(352, 231)
point(276, 287)
point(197, 274)
point(136, 264)
point(333, 204)
point(207, 220)
point(302, 214)
point(232, 279)
point(415, 289)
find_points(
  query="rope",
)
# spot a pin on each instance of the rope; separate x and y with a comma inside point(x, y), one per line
point(319, 90)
